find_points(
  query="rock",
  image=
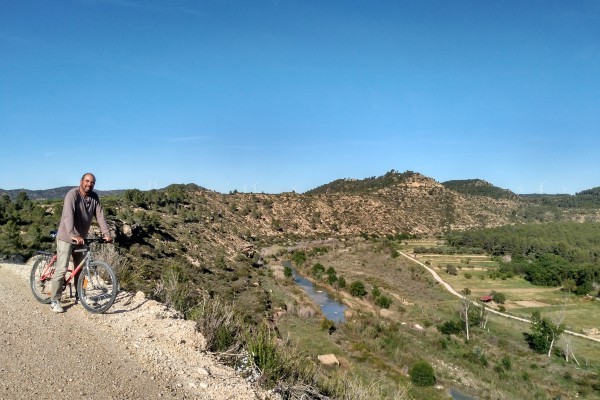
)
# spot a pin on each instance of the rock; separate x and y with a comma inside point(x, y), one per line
point(328, 359)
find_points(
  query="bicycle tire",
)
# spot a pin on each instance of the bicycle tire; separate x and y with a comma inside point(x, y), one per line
point(40, 290)
point(97, 287)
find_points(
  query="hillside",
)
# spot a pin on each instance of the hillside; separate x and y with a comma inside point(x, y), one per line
point(184, 244)
point(478, 187)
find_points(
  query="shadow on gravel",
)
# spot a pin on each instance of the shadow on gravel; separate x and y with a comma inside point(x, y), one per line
point(124, 299)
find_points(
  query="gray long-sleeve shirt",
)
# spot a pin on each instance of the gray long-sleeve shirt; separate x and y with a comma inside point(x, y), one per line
point(77, 215)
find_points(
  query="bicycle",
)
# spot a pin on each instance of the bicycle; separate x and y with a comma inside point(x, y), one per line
point(96, 285)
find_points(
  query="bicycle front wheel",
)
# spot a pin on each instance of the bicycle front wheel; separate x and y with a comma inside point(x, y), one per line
point(40, 288)
point(97, 287)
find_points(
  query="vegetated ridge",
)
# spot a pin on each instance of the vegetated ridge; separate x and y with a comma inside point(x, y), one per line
point(51, 194)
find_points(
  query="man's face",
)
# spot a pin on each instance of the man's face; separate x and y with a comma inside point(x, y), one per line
point(87, 184)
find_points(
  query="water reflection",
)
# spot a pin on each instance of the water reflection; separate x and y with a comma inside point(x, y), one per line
point(456, 395)
point(331, 308)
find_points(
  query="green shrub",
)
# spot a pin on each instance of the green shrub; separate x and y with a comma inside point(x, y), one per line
point(499, 298)
point(421, 374)
point(326, 324)
point(318, 270)
point(506, 363)
point(218, 322)
point(450, 328)
point(287, 271)
point(331, 279)
point(264, 355)
point(383, 302)
point(375, 292)
point(357, 289)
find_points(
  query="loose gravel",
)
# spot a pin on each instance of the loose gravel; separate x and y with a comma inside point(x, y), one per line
point(138, 349)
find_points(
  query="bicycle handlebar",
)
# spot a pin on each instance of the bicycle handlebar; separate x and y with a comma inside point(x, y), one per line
point(86, 241)
point(95, 240)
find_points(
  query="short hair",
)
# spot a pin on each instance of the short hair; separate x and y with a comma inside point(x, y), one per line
point(86, 174)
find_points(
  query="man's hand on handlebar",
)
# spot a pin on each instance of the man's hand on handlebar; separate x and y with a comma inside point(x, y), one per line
point(78, 240)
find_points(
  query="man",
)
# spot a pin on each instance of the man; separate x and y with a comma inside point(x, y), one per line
point(81, 205)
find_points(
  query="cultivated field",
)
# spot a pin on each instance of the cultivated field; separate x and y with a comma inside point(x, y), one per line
point(580, 314)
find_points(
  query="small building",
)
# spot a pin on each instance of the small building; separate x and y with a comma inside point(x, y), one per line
point(486, 299)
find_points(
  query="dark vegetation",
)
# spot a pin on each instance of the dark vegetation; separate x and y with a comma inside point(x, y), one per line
point(551, 254)
point(354, 186)
point(478, 187)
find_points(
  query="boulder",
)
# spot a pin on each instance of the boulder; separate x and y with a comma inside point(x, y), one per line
point(329, 359)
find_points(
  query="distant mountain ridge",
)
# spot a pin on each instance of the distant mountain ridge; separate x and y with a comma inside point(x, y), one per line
point(53, 194)
point(358, 186)
point(589, 198)
point(478, 187)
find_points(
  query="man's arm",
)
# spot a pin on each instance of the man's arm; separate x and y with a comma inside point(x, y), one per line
point(68, 231)
point(102, 222)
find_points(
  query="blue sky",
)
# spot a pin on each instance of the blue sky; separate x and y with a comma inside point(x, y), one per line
point(282, 95)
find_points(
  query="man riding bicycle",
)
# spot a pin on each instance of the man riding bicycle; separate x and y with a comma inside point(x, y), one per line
point(81, 205)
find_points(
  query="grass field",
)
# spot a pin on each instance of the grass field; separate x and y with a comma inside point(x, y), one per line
point(383, 347)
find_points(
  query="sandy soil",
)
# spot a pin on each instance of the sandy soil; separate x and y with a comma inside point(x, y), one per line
point(139, 349)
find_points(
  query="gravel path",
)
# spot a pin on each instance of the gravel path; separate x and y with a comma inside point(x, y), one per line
point(139, 349)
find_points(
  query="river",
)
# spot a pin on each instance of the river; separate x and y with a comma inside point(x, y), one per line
point(331, 308)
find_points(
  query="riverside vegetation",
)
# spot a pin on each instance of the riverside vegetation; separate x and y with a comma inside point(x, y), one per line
point(217, 258)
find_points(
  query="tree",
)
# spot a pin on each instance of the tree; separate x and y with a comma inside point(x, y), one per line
point(357, 289)
point(298, 258)
point(287, 271)
point(569, 285)
point(499, 298)
point(544, 333)
point(465, 305)
point(317, 270)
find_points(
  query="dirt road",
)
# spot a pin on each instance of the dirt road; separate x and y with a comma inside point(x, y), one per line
point(138, 350)
point(455, 293)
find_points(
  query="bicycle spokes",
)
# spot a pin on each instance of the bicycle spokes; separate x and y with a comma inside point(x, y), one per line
point(98, 287)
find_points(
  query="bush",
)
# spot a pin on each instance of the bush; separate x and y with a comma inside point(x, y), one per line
point(218, 322)
point(331, 279)
point(421, 374)
point(375, 292)
point(318, 270)
point(451, 269)
point(357, 289)
point(383, 302)
point(287, 271)
point(341, 282)
point(450, 328)
point(499, 298)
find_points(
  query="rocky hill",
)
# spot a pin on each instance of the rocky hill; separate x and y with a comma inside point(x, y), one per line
point(204, 223)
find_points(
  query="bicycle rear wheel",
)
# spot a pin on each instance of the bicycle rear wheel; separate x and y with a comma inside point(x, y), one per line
point(97, 287)
point(40, 288)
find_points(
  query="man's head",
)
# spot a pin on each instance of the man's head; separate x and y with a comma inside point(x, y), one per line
point(88, 180)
